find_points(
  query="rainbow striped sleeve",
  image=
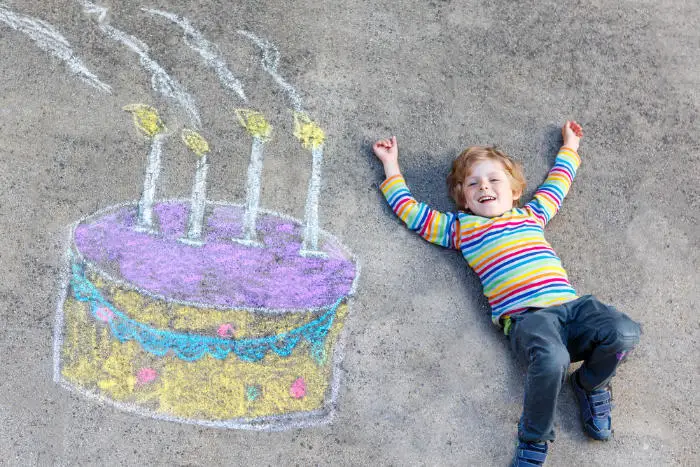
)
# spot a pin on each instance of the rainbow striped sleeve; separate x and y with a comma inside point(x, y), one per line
point(435, 226)
point(551, 193)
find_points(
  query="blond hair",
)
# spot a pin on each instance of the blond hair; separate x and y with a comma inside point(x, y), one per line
point(462, 165)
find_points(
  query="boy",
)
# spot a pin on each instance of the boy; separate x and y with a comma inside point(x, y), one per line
point(547, 324)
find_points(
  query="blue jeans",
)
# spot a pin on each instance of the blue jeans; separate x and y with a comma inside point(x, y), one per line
point(549, 339)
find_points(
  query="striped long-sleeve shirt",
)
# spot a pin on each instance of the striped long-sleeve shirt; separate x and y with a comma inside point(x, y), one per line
point(517, 267)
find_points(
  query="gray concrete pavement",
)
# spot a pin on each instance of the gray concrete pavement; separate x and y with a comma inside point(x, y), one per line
point(426, 379)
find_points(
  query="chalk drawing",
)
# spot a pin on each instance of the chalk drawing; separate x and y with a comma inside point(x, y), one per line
point(160, 80)
point(226, 330)
point(146, 375)
point(200, 147)
point(309, 133)
point(208, 51)
point(258, 127)
point(147, 121)
point(311, 137)
point(206, 312)
point(270, 61)
point(138, 301)
point(49, 39)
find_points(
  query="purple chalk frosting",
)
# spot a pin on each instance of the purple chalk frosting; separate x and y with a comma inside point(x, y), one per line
point(221, 272)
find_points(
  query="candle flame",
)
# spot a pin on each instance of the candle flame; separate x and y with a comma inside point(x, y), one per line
point(254, 122)
point(146, 119)
point(307, 131)
point(195, 142)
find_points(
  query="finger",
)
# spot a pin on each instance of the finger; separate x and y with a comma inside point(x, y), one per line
point(577, 129)
point(393, 140)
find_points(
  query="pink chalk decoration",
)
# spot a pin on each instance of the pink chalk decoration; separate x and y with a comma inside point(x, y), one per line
point(298, 388)
point(104, 314)
point(226, 330)
point(146, 375)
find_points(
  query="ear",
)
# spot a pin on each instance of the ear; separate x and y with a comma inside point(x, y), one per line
point(517, 195)
point(457, 194)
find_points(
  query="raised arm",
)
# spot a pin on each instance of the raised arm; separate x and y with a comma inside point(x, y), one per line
point(551, 193)
point(434, 226)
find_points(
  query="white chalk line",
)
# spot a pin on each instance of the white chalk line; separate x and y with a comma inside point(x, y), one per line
point(64, 280)
point(312, 195)
point(208, 51)
point(145, 211)
point(253, 190)
point(49, 39)
point(160, 80)
point(270, 61)
point(198, 200)
point(261, 310)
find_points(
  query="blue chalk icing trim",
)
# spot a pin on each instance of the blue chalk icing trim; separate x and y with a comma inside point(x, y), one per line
point(192, 347)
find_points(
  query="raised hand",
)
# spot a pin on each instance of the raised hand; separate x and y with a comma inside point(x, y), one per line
point(387, 151)
point(572, 134)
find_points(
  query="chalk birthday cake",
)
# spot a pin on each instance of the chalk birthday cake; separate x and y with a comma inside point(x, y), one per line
point(205, 312)
point(216, 332)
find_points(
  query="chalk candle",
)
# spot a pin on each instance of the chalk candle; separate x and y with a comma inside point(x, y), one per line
point(147, 121)
point(255, 124)
point(311, 137)
point(200, 147)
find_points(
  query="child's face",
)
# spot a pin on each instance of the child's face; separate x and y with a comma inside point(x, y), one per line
point(487, 189)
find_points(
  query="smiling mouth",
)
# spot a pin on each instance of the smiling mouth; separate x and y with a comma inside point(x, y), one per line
point(486, 198)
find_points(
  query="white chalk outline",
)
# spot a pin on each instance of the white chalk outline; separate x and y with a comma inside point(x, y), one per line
point(64, 279)
point(160, 80)
point(49, 39)
point(207, 50)
point(270, 60)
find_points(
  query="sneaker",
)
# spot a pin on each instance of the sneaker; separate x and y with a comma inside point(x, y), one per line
point(595, 410)
point(530, 454)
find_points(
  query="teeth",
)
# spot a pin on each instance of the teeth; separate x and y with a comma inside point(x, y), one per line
point(486, 198)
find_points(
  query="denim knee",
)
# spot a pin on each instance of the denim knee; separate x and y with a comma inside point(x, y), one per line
point(624, 335)
point(550, 362)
